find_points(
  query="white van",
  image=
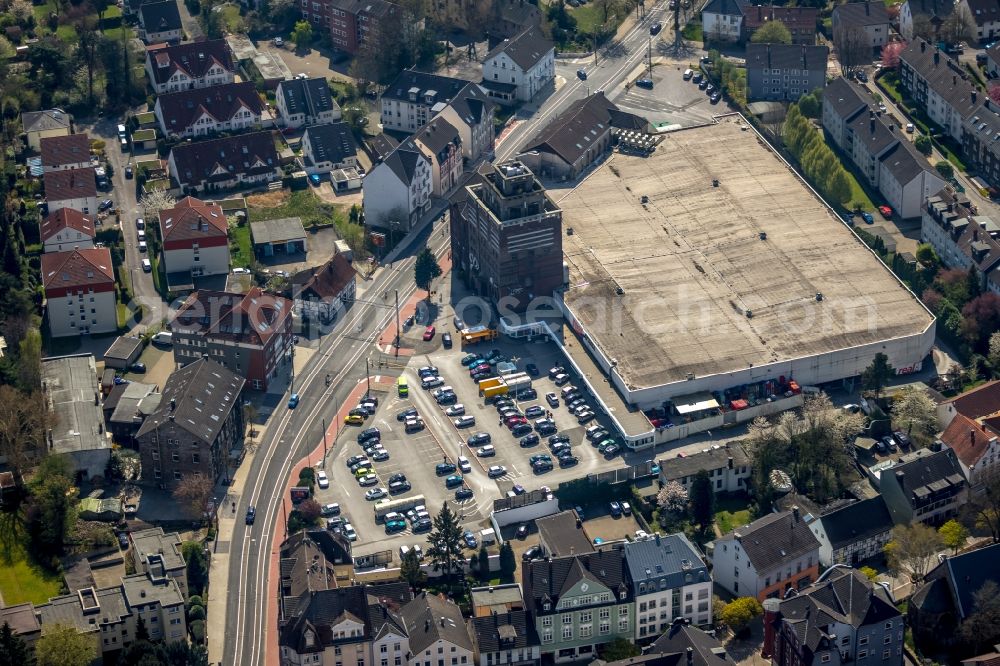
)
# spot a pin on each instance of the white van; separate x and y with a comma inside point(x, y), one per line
point(488, 536)
point(464, 465)
point(165, 338)
point(688, 74)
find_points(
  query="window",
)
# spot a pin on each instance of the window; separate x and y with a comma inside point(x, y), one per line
point(605, 613)
point(886, 654)
point(825, 659)
point(586, 617)
point(547, 621)
point(567, 633)
point(605, 627)
point(623, 624)
point(863, 654)
point(567, 619)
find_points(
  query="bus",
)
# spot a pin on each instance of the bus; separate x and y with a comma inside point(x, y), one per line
point(402, 387)
point(386, 506)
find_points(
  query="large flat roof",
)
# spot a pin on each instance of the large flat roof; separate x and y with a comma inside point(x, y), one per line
point(663, 287)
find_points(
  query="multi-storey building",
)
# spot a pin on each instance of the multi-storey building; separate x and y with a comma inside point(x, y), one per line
point(79, 292)
point(195, 240)
point(351, 23)
point(198, 422)
point(938, 85)
point(67, 229)
point(193, 65)
point(985, 15)
point(728, 469)
point(669, 581)
point(505, 639)
point(60, 153)
point(981, 140)
point(579, 603)
point(768, 557)
point(218, 164)
point(160, 22)
point(472, 114)
point(306, 102)
point(926, 486)
point(414, 98)
point(321, 292)
point(229, 107)
point(397, 191)
point(962, 239)
point(519, 68)
point(913, 12)
point(507, 237)
point(842, 618)
point(158, 555)
point(441, 144)
point(722, 20)
point(249, 334)
point(72, 188)
point(437, 632)
point(329, 147)
point(870, 18)
point(784, 72)
point(977, 447)
point(40, 124)
point(853, 533)
point(800, 21)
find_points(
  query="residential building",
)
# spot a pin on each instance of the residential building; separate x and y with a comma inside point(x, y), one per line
point(329, 147)
point(670, 580)
point(800, 21)
point(505, 639)
point(496, 599)
point(963, 241)
point(313, 560)
point(73, 188)
point(870, 17)
point(938, 85)
point(303, 102)
point(937, 611)
point(684, 644)
point(562, 534)
point(414, 98)
point(229, 107)
point(472, 114)
point(352, 23)
point(853, 533)
point(23, 623)
point(237, 161)
point(931, 12)
point(38, 125)
point(79, 292)
point(322, 292)
point(172, 68)
point(60, 153)
point(67, 229)
point(784, 72)
point(728, 468)
point(981, 140)
point(993, 61)
point(276, 237)
point(974, 404)
point(842, 618)
point(768, 557)
point(886, 159)
point(357, 625)
point(160, 22)
point(507, 237)
point(249, 334)
point(441, 144)
point(111, 615)
point(926, 485)
point(71, 390)
point(437, 632)
point(985, 14)
point(976, 446)
point(397, 191)
point(519, 68)
point(577, 138)
point(195, 241)
point(126, 407)
point(158, 555)
point(579, 603)
point(195, 428)
point(985, 659)
point(722, 20)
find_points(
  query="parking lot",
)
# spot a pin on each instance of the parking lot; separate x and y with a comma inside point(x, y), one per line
point(672, 100)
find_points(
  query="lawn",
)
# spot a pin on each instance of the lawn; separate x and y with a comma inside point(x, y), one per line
point(730, 514)
point(693, 32)
point(231, 18)
point(301, 203)
point(21, 579)
point(242, 254)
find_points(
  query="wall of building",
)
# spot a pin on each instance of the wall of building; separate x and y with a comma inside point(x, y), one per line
point(85, 205)
point(656, 611)
point(212, 257)
point(68, 239)
point(98, 315)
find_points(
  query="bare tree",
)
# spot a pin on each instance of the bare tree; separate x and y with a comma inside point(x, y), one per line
point(983, 508)
point(24, 421)
point(980, 628)
point(923, 27)
point(959, 26)
point(913, 550)
point(853, 48)
point(194, 491)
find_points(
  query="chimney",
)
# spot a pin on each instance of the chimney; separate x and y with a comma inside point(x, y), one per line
point(795, 513)
point(937, 57)
point(923, 46)
point(900, 476)
point(973, 96)
point(954, 80)
point(579, 523)
point(173, 404)
point(690, 656)
point(729, 462)
point(427, 625)
point(657, 538)
point(868, 9)
point(972, 437)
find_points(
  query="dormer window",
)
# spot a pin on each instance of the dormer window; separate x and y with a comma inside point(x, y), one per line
point(547, 606)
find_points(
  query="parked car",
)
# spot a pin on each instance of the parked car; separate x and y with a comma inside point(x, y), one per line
point(522, 531)
point(867, 217)
point(463, 493)
point(552, 399)
point(464, 465)
point(446, 340)
point(322, 480)
point(478, 439)
point(369, 434)
point(534, 412)
point(368, 480)
point(556, 371)
point(375, 493)
point(455, 410)
point(429, 333)
point(496, 471)
point(406, 414)
point(644, 83)
point(470, 540)
point(444, 468)
point(520, 430)
point(487, 451)
point(568, 461)
point(531, 554)
point(903, 439)
point(453, 481)
point(147, 267)
point(138, 367)
point(616, 509)
point(397, 487)
point(332, 509)
point(105, 205)
point(886, 211)
point(466, 421)
point(529, 440)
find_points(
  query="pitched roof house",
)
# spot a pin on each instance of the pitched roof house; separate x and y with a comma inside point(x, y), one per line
point(323, 291)
point(204, 111)
point(433, 623)
point(853, 533)
point(927, 485)
point(397, 191)
point(160, 22)
point(939, 85)
point(769, 67)
point(170, 68)
point(65, 152)
point(306, 102)
point(40, 124)
point(518, 68)
point(195, 241)
point(505, 638)
point(329, 147)
point(79, 291)
point(870, 17)
point(246, 159)
point(72, 188)
point(800, 21)
point(67, 229)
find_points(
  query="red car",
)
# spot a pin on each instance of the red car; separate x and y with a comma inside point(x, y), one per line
point(886, 211)
point(429, 333)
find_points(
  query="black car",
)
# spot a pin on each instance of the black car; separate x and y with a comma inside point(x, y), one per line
point(398, 476)
point(862, 77)
point(529, 440)
point(644, 83)
point(463, 493)
point(522, 531)
point(354, 460)
point(655, 29)
point(480, 376)
point(703, 84)
point(527, 394)
point(532, 553)
point(446, 399)
point(444, 468)
point(556, 439)
point(422, 525)
point(568, 461)
point(446, 340)
point(138, 367)
point(545, 428)
point(561, 447)
point(406, 414)
point(369, 433)
point(503, 404)
point(520, 430)
point(597, 435)
point(251, 514)
point(531, 369)
point(479, 439)
point(397, 487)
point(540, 466)
point(714, 99)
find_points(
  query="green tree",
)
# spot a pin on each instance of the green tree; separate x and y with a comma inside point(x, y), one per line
point(445, 542)
point(508, 563)
point(979, 631)
point(483, 563)
point(12, 649)
point(839, 187)
point(877, 375)
point(953, 534)
point(619, 649)
point(410, 570)
point(425, 270)
point(52, 511)
point(740, 612)
point(869, 573)
point(923, 144)
point(945, 168)
point(994, 352)
point(913, 550)
point(302, 34)
point(810, 106)
point(927, 256)
point(197, 567)
point(702, 500)
point(772, 32)
point(64, 646)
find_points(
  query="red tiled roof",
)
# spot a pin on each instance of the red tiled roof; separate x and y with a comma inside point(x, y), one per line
point(184, 220)
point(967, 439)
point(193, 59)
point(67, 218)
point(77, 268)
point(253, 317)
point(69, 149)
point(70, 184)
point(980, 401)
point(182, 109)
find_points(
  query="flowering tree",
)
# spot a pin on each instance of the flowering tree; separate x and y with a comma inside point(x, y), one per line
point(672, 498)
point(890, 54)
point(994, 92)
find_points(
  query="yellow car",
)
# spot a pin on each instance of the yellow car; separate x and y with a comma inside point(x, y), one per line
point(354, 419)
point(362, 471)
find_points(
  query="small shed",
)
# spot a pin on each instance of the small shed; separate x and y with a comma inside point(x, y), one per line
point(282, 236)
point(345, 180)
point(105, 510)
point(144, 138)
point(123, 352)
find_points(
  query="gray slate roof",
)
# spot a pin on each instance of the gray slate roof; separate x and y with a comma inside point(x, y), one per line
point(49, 119)
point(403, 161)
point(707, 650)
point(547, 580)
point(724, 7)
point(437, 134)
point(966, 574)
point(943, 75)
point(933, 8)
point(444, 87)
point(845, 98)
point(308, 96)
point(671, 559)
point(429, 618)
point(332, 142)
point(525, 49)
point(862, 13)
point(160, 16)
point(562, 535)
point(857, 521)
point(204, 393)
point(924, 471)
point(570, 134)
point(504, 631)
point(774, 539)
point(679, 468)
point(786, 56)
